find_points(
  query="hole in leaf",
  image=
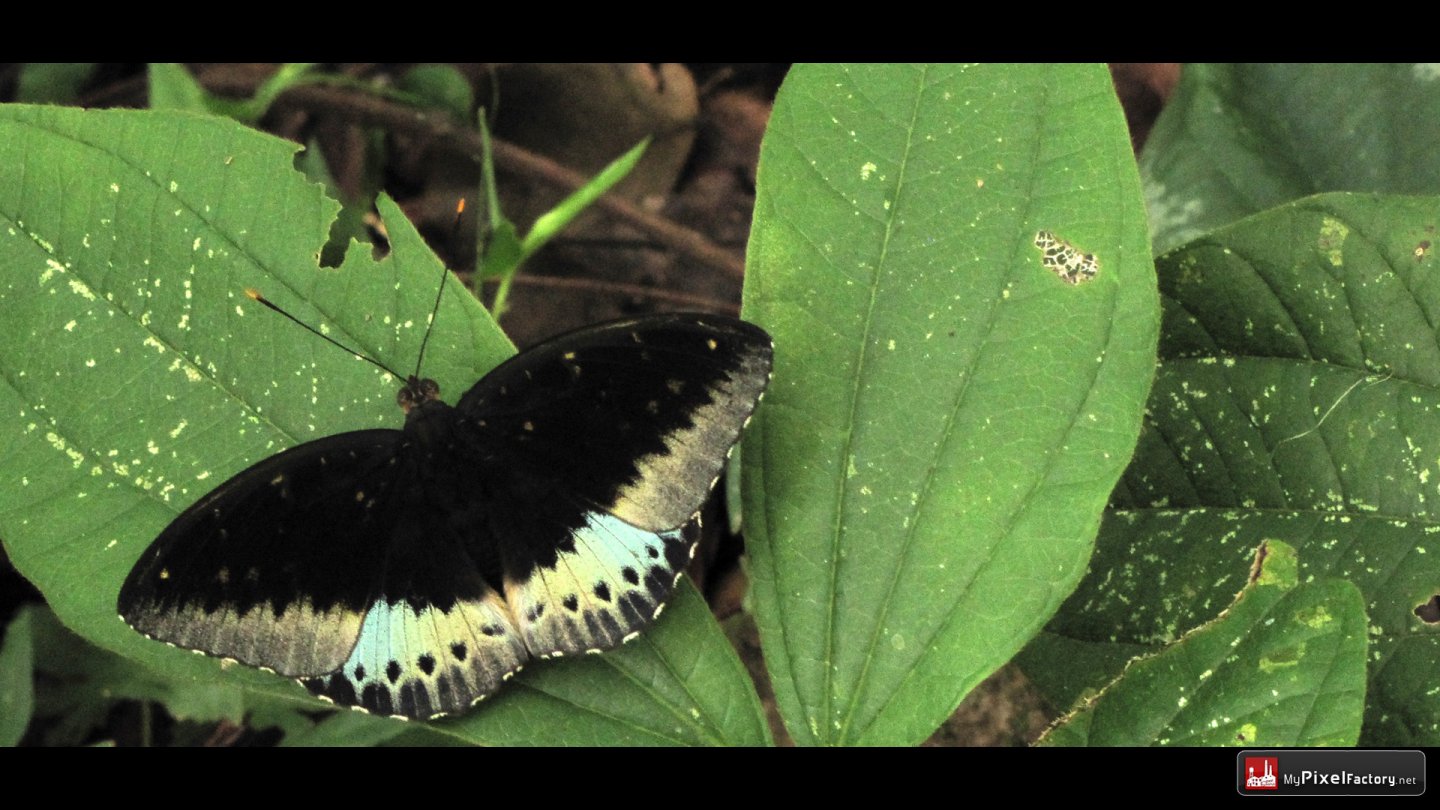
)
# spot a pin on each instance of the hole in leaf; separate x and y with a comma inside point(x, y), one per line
point(1429, 612)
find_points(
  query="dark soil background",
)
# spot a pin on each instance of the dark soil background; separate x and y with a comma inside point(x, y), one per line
point(671, 236)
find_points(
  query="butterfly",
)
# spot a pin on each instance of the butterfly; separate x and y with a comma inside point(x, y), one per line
point(412, 572)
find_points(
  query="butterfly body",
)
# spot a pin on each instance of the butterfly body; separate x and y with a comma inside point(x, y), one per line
point(411, 572)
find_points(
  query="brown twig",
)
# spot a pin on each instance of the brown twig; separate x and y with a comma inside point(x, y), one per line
point(698, 302)
point(374, 111)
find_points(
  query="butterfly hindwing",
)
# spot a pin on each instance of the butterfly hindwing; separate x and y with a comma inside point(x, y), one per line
point(610, 439)
point(437, 638)
point(602, 589)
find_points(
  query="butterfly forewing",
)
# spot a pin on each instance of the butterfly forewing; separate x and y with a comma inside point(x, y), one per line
point(412, 572)
point(634, 417)
point(610, 439)
point(254, 571)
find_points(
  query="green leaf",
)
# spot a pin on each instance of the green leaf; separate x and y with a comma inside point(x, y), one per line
point(442, 87)
point(252, 110)
point(1283, 666)
point(173, 88)
point(1296, 400)
point(17, 678)
point(81, 683)
point(346, 729)
point(549, 224)
point(52, 83)
point(350, 224)
point(1238, 139)
point(138, 376)
point(947, 417)
point(498, 259)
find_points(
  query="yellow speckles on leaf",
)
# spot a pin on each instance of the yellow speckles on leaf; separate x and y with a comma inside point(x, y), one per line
point(1333, 233)
point(76, 457)
point(867, 170)
point(82, 289)
point(70, 327)
point(1315, 617)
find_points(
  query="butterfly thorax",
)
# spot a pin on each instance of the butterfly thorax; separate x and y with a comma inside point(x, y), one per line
point(431, 425)
point(415, 392)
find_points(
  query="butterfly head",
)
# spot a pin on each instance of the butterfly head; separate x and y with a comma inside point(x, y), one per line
point(416, 392)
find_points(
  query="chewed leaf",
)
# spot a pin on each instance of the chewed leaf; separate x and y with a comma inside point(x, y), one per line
point(1064, 260)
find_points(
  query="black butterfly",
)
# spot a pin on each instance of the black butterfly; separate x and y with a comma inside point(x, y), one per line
point(411, 572)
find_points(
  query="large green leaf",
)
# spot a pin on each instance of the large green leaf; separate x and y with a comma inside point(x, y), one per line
point(1238, 139)
point(17, 678)
point(1297, 400)
point(138, 376)
point(1283, 666)
point(947, 417)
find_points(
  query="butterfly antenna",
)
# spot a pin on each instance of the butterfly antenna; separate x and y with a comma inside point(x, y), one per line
point(255, 295)
point(444, 274)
